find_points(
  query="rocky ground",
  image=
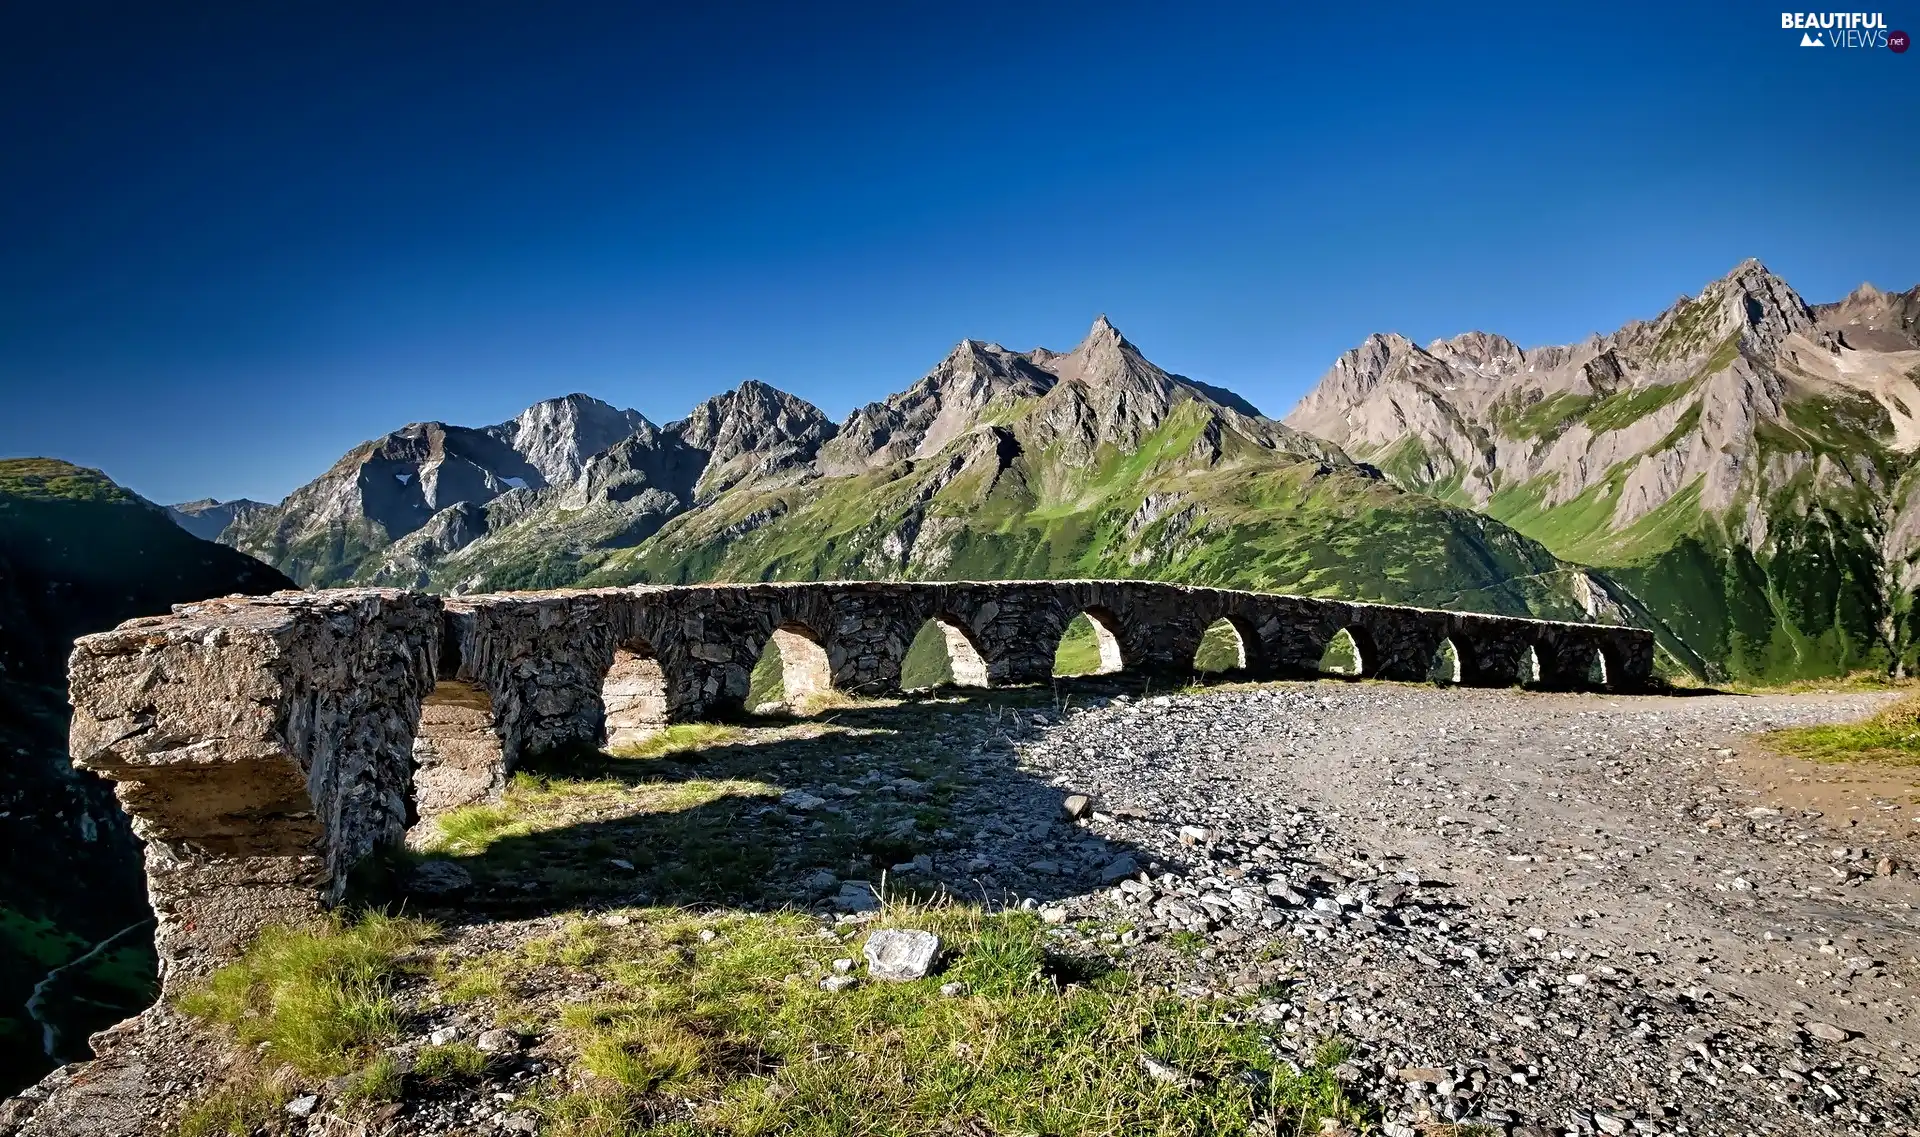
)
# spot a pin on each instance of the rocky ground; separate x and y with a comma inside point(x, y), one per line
point(1521, 913)
point(1550, 912)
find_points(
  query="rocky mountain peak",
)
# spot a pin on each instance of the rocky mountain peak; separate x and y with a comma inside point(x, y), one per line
point(557, 436)
point(1763, 306)
point(752, 431)
point(946, 402)
point(1105, 357)
point(1480, 351)
point(1870, 319)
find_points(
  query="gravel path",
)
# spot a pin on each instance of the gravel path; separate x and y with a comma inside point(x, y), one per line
point(1544, 913)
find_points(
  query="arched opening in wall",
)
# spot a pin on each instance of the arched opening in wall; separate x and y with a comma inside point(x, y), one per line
point(1342, 656)
point(1529, 671)
point(456, 751)
point(1445, 668)
point(1222, 649)
point(792, 674)
point(634, 695)
point(1596, 674)
point(942, 654)
point(1088, 646)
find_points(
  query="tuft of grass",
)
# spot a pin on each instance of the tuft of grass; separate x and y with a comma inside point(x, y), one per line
point(244, 1106)
point(734, 1034)
point(451, 1062)
point(680, 738)
point(471, 828)
point(319, 999)
point(1188, 942)
point(382, 1080)
point(1891, 737)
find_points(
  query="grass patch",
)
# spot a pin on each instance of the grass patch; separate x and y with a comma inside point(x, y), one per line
point(1891, 737)
point(49, 479)
point(381, 1080)
point(319, 1001)
point(680, 738)
point(735, 1035)
point(1187, 942)
point(305, 1004)
point(452, 1062)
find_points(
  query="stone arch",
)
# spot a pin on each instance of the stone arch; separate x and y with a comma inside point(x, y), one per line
point(1225, 647)
point(457, 756)
point(793, 670)
point(1094, 651)
point(633, 695)
point(1349, 652)
point(1532, 669)
point(1446, 667)
point(1597, 670)
point(943, 653)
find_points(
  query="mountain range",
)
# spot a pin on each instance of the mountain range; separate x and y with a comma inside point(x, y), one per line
point(1741, 463)
point(1731, 473)
point(996, 463)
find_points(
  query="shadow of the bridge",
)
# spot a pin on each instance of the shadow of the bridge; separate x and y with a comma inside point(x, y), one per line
point(921, 798)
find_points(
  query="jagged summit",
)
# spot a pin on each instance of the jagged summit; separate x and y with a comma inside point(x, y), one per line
point(557, 436)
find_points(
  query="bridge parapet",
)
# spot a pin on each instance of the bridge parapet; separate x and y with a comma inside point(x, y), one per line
point(264, 746)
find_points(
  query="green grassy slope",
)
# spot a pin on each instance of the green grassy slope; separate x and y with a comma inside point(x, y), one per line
point(78, 554)
point(1814, 599)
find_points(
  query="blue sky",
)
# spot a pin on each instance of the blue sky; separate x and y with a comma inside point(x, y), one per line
point(241, 238)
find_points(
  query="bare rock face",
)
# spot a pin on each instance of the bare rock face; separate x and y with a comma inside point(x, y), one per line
point(383, 492)
point(974, 383)
point(558, 436)
point(1872, 320)
point(752, 433)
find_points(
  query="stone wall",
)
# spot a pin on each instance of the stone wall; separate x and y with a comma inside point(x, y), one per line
point(265, 746)
point(262, 746)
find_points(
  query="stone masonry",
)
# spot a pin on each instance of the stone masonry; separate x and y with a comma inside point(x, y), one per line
point(265, 746)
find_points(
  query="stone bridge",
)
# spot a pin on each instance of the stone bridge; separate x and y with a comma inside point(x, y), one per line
point(265, 746)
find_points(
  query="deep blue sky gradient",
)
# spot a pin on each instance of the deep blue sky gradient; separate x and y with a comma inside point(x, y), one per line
point(237, 239)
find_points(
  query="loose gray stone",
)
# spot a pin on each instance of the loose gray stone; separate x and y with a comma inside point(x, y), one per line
point(1170, 1075)
point(901, 955)
point(856, 896)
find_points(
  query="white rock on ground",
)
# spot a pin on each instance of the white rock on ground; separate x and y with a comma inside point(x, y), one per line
point(901, 955)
